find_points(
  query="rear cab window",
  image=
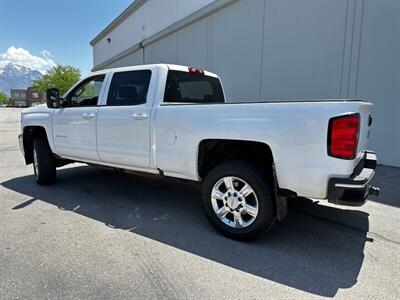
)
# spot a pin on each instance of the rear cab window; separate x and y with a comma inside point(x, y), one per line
point(129, 88)
point(192, 87)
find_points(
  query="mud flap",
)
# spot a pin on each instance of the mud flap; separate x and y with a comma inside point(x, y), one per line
point(280, 201)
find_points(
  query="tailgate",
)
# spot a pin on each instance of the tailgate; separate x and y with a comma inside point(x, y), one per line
point(365, 110)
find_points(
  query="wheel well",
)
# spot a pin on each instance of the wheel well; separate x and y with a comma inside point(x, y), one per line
point(215, 151)
point(30, 133)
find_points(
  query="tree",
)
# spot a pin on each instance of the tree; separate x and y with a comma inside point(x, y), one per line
point(61, 77)
point(4, 98)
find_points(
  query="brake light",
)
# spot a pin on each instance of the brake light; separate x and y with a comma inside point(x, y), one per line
point(343, 133)
point(196, 70)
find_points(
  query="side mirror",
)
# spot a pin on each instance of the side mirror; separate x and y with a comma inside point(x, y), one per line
point(53, 98)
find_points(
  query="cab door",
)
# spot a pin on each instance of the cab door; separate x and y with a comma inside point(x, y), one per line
point(123, 123)
point(74, 125)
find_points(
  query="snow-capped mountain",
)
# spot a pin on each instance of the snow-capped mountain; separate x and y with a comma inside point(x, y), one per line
point(14, 76)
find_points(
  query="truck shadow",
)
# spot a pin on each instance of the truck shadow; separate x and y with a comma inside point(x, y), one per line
point(303, 252)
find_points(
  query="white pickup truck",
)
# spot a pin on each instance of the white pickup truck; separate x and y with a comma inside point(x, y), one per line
point(173, 121)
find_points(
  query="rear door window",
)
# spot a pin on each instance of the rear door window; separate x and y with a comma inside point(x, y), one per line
point(185, 87)
point(129, 88)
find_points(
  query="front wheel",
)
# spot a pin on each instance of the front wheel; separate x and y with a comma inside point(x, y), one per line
point(44, 162)
point(238, 200)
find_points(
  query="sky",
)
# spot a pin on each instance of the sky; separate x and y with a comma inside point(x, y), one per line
point(41, 33)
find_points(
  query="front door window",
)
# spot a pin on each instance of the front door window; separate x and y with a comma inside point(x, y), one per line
point(87, 93)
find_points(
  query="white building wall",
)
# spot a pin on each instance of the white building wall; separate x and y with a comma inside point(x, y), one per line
point(149, 19)
point(193, 45)
point(236, 48)
point(303, 49)
point(285, 49)
point(379, 75)
point(163, 50)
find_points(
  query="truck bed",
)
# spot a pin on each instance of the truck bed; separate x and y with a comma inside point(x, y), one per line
point(295, 130)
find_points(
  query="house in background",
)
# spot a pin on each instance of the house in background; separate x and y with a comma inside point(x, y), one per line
point(34, 97)
point(26, 98)
point(18, 97)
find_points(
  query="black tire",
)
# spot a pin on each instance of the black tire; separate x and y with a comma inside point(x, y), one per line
point(44, 164)
point(263, 189)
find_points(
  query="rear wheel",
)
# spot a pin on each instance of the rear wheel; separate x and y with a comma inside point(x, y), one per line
point(44, 162)
point(238, 200)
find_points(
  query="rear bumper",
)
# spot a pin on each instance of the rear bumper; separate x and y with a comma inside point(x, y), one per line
point(354, 191)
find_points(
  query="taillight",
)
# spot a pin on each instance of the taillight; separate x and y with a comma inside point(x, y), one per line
point(196, 70)
point(343, 133)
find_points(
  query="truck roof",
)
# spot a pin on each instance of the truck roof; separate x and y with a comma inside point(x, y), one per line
point(161, 66)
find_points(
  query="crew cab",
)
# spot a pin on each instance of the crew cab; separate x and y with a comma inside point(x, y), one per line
point(171, 120)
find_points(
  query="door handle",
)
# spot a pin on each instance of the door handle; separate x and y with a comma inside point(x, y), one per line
point(139, 116)
point(88, 116)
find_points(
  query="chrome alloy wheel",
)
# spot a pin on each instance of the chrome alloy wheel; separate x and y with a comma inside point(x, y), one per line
point(234, 202)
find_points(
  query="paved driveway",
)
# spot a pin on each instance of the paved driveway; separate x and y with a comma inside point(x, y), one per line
point(99, 234)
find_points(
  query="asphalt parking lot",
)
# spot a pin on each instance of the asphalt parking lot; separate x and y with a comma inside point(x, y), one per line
point(99, 234)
